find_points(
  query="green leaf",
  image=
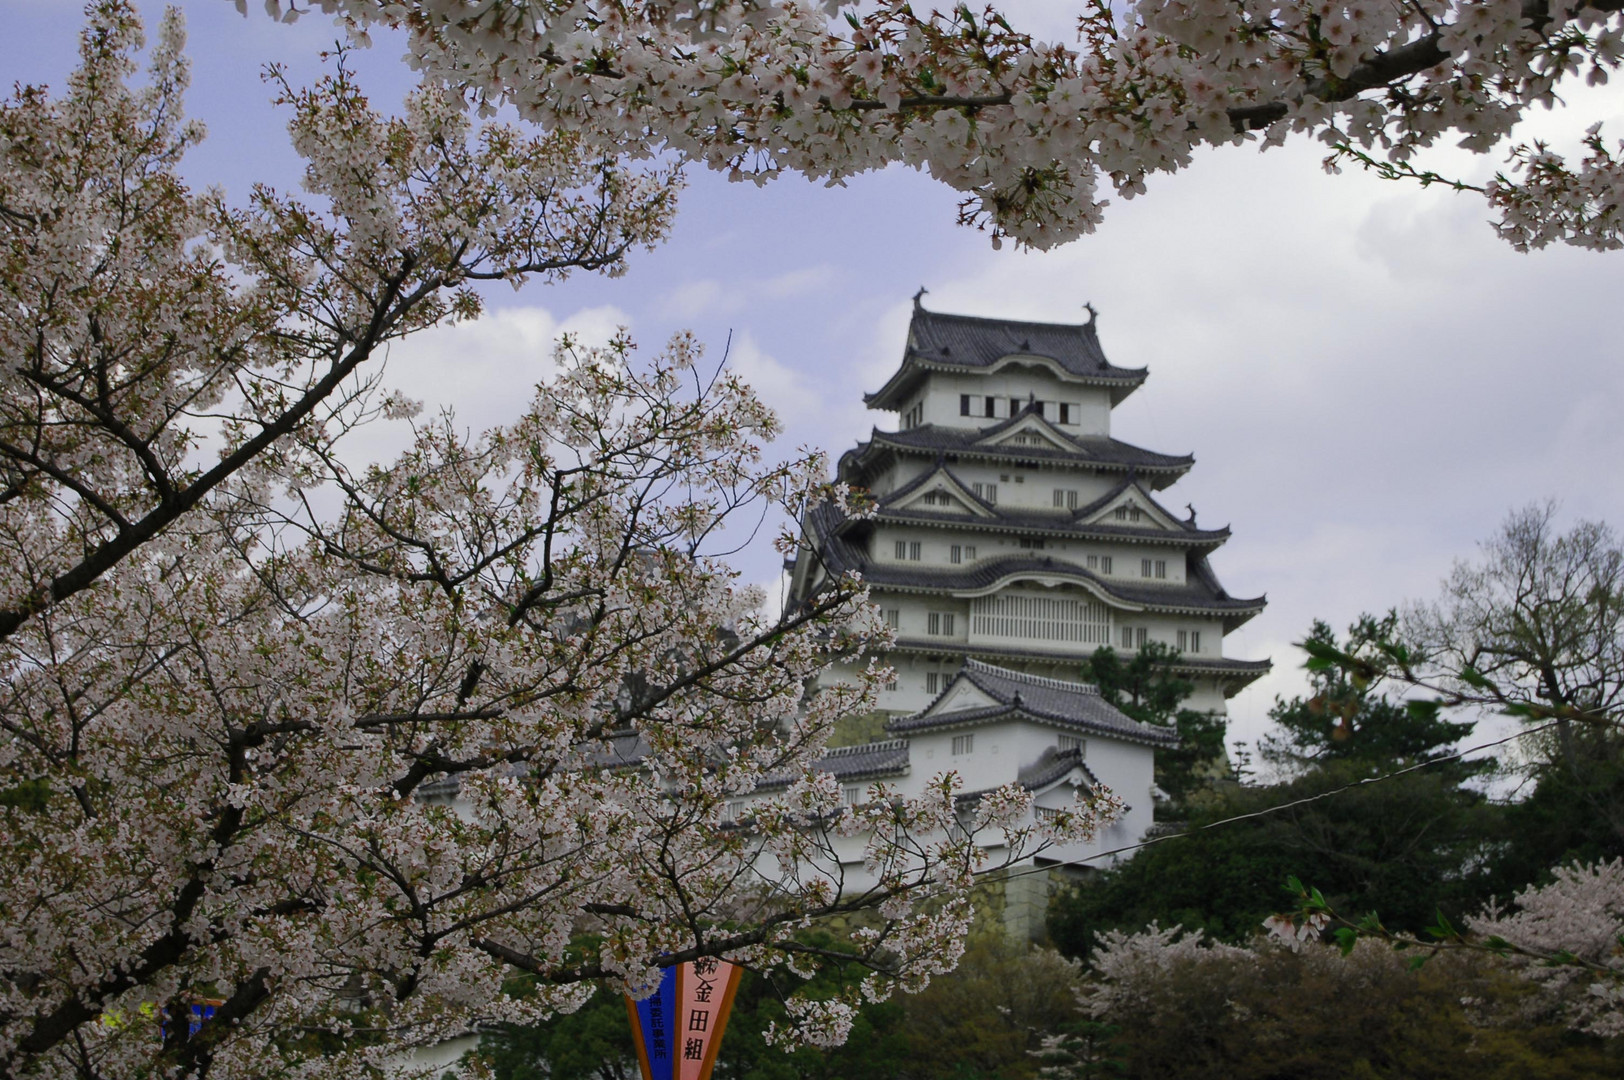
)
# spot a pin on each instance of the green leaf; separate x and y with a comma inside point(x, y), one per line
point(1443, 929)
point(1472, 677)
point(1346, 938)
point(1423, 711)
point(1417, 961)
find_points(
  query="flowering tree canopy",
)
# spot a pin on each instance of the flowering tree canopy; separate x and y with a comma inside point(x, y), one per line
point(1030, 132)
point(235, 664)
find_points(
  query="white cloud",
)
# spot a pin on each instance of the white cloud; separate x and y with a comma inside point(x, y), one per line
point(694, 299)
point(793, 396)
point(484, 371)
point(804, 282)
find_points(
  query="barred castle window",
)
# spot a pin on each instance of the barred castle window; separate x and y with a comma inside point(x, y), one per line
point(1134, 637)
point(1040, 618)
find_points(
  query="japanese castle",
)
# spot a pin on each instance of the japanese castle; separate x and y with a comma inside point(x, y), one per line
point(1012, 537)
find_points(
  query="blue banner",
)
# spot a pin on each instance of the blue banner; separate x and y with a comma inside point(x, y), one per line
point(654, 1019)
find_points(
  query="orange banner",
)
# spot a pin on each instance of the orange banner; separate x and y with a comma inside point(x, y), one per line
point(705, 991)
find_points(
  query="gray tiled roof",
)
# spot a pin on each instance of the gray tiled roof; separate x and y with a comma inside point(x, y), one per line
point(1098, 451)
point(1234, 674)
point(1199, 592)
point(965, 341)
point(869, 761)
point(1073, 705)
point(1051, 765)
point(1069, 523)
point(866, 762)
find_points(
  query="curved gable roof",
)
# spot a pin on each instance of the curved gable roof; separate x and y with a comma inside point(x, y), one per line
point(938, 341)
point(1066, 704)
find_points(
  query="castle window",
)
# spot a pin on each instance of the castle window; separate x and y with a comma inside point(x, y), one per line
point(1156, 568)
point(964, 404)
point(908, 550)
point(1031, 544)
point(1093, 562)
point(1134, 637)
point(1195, 641)
point(969, 553)
point(1073, 742)
point(933, 682)
point(963, 744)
point(991, 404)
point(1105, 564)
point(1189, 641)
point(1040, 618)
point(1065, 499)
point(893, 618)
point(1039, 406)
point(939, 623)
point(1014, 405)
point(913, 551)
point(1161, 568)
point(988, 492)
point(1070, 412)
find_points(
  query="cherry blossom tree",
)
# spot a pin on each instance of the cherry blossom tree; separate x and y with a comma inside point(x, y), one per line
point(1031, 131)
point(241, 671)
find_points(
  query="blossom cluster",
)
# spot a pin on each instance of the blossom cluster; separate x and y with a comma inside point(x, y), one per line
point(1576, 923)
point(340, 747)
point(1030, 131)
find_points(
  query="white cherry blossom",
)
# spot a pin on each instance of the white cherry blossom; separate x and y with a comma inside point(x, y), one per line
point(1031, 132)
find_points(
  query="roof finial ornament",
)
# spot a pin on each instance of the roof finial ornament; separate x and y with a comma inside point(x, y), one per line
point(1191, 508)
point(919, 296)
point(1088, 307)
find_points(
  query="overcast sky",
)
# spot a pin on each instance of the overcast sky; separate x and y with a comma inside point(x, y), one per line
point(1369, 380)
